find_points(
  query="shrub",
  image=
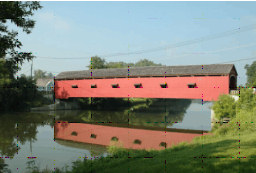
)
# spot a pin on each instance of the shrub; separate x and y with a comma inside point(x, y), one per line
point(225, 107)
point(247, 100)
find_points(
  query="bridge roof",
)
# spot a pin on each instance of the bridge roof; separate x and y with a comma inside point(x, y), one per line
point(150, 71)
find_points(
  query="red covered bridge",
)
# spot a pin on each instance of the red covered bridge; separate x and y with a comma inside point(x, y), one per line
point(205, 82)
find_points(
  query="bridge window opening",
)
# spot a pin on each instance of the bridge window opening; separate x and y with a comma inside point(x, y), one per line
point(93, 136)
point(138, 85)
point(137, 141)
point(93, 86)
point(163, 144)
point(163, 85)
point(115, 86)
point(114, 139)
point(192, 85)
point(74, 133)
point(74, 86)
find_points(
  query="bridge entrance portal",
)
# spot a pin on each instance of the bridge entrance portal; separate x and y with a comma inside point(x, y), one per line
point(232, 83)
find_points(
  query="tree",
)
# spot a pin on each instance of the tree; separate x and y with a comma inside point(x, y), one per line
point(145, 62)
point(251, 74)
point(3, 166)
point(12, 90)
point(225, 107)
point(247, 100)
point(97, 63)
point(5, 74)
point(40, 74)
point(17, 13)
point(19, 94)
point(141, 63)
point(120, 64)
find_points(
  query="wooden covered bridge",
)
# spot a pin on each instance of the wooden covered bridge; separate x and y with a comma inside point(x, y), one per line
point(205, 82)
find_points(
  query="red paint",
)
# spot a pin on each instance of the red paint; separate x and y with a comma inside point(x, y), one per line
point(177, 87)
point(150, 139)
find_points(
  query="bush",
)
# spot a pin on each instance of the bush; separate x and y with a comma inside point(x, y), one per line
point(247, 100)
point(246, 119)
point(245, 114)
point(225, 107)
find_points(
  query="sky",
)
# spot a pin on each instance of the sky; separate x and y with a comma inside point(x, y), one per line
point(67, 34)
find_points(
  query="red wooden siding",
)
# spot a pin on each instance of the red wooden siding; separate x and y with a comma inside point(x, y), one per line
point(150, 139)
point(207, 87)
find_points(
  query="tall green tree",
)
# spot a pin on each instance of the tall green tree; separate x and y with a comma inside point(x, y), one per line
point(97, 63)
point(251, 74)
point(17, 13)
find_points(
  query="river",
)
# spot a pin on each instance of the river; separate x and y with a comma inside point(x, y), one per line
point(57, 138)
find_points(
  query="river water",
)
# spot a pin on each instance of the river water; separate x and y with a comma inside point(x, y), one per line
point(57, 138)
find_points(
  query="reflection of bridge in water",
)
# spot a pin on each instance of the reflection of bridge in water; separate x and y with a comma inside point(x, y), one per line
point(154, 127)
point(205, 82)
point(132, 138)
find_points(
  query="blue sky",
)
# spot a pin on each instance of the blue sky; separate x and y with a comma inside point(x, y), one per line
point(79, 30)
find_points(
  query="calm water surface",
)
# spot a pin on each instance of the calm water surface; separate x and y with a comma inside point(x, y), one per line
point(37, 138)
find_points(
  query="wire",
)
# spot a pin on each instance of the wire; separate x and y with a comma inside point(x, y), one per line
point(238, 60)
point(61, 58)
point(206, 38)
point(210, 37)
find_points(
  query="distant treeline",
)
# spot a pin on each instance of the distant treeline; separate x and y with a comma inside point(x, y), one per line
point(99, 63)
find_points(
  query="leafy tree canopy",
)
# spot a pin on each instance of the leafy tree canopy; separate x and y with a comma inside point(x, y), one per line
point(97, 63)
point(15, 93)
point(251, 74)
point(42, 74)
point(18, 13)
point(225, 107)
point(145, 62)
point(120, 64)
point(247, 100)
